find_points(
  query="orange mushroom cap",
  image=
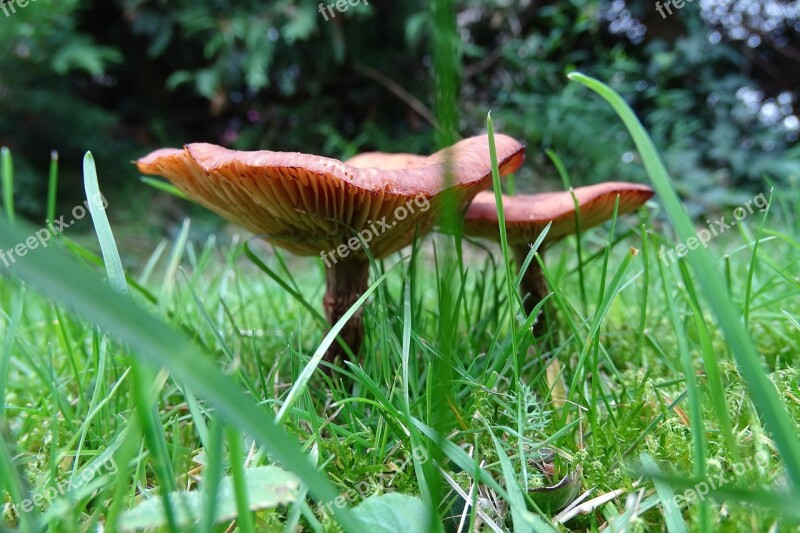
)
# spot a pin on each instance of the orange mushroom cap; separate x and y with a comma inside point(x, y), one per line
point(386, 161)
point(308, 203)
point(526, 215)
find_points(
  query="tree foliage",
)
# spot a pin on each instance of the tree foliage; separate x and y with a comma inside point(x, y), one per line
point(123, 76)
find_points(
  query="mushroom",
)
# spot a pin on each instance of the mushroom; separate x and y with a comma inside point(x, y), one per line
point(386, 161)
point(526, 215)
point(317, 206)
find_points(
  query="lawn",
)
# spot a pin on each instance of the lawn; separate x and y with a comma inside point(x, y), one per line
point(188, 392)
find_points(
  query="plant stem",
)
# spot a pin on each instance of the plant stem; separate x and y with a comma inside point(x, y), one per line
point(347, 279)
point(533, 286)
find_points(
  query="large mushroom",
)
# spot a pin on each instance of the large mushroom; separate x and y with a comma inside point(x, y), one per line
point(526, 215)
point(317, 206)
point(386, 161)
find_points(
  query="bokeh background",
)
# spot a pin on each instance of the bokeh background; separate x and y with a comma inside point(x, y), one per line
point(716, 83)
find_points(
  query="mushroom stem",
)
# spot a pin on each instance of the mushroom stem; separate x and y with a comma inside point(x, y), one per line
point(533, 286)
point(347, 279)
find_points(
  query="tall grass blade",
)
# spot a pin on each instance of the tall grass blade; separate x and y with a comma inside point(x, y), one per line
point(763, 392)
point(507, 255)
point(302, 380)
point(146, 408)
point(52, 186)
point(245, 518)
point(672, 513)
point(7, 178)
point(108, 246)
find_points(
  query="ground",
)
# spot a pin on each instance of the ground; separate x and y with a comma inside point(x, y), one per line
point(604, 394)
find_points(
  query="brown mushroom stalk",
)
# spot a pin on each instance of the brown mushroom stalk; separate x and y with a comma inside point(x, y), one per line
point(314, 206)
point(346, 281)
point(526, 215)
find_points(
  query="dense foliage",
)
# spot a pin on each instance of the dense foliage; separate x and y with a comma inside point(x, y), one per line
point(128, 75)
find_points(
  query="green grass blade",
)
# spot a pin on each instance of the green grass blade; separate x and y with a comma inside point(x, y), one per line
point(178, 249)
point(212, 475)
point(7, 178)
point(780, 501)
point(515, 498)
point(512, 293)
point(8, 345)
point(752, 270)
point(164, 186)
point(10, 476)
point(765, 397)
point(145, 403)
point(672, 513)
point(108, 246)
point(446, 52)
point(11, 479)
point(92, 258)
point(285, 286)
point(565, 179)
point(695, 402)
point(245, 518)
point(716, 390)
point(123, 457)
point(52, 186)
point(302, 380)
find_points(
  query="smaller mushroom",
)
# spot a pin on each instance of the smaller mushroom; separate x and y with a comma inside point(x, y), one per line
point(526, 215)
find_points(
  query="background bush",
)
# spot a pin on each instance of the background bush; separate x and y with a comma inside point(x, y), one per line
point(715, 83)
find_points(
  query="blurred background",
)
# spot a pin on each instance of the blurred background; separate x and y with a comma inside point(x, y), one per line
point(716, 83)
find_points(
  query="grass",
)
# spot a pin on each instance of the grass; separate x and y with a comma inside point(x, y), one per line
point(74, 396)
